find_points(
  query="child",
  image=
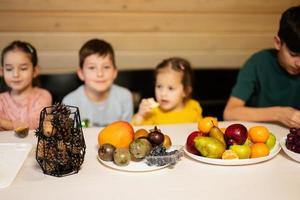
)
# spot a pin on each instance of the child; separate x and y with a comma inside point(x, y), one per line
point(173, 89)
point(22, 103)
point(99, 100)
point(268, 86)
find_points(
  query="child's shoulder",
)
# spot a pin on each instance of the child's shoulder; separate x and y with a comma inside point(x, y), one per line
point(120, 90)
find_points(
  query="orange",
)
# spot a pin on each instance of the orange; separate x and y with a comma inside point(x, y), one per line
point(258, 134)
point(119, 134)
point(140, 133)
point(167, 142)
point(259, 150)
point(205, 124)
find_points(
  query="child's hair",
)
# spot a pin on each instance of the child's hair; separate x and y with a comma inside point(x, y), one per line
point(24, 47)
point(96, 46)
point(180, 65)
point(289, 28)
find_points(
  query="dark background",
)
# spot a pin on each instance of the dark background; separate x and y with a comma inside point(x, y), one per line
point(211, 87)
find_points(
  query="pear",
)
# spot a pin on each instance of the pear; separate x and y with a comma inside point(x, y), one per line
point(209, 147)
point(215, 132)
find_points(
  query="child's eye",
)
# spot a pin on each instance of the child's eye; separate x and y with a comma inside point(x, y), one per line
point(171, 88)
point(107, 67)
point(8, 68)
point(24, 68)
point(90, 67)
point(158, 86)
point(293, 54)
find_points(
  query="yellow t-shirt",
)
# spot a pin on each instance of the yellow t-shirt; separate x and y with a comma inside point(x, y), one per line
point(192, 112)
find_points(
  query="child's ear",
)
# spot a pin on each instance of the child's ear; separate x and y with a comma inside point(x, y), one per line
point(277, 42)
point(80, 74)
point(116, 73)
point(36, 71)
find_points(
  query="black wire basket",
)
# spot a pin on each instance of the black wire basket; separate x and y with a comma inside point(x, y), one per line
point(61, 147)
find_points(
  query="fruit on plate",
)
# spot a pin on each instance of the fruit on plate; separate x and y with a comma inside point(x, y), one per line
point(258, 134)
point(205, 124)
point(243, 151)
point(141, 133)
point(119, 134)
point(190, 147)
point(140, 148)
point(167, 143)
point(122, 156)
point(229, 155)
point(209, 147)
point(215, 132)
point(271, 141)
point(156, 137)
point(259, 150)
point(106, 152)
point(236, 134)
point(293, 140)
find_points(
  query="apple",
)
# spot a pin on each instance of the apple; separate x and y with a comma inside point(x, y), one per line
point(236, 134)
point(243, 151)
point(271, 141)
point(190, 146)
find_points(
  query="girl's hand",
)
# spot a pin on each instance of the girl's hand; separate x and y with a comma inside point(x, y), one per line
point(145, 107)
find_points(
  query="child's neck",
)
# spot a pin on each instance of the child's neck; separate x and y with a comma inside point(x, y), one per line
point(96, 96)
point(20, 95)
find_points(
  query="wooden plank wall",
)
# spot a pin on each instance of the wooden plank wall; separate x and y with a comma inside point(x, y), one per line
point(210, 33)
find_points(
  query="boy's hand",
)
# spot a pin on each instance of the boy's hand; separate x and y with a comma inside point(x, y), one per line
point(289, 117)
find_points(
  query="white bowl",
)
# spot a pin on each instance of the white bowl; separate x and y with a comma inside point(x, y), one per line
point(293, 155)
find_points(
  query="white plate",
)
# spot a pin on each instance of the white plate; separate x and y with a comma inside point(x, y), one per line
point(133, 166)
point(249, 161)
point(140, 166)
point(12, 157)
point(293, 155)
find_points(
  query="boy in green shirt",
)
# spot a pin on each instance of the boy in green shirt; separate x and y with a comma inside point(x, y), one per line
point(268, 86)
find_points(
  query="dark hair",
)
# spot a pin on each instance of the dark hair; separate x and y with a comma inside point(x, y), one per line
point(96, 46)
point(180, 65)
point(289, 29)
point(23, 46)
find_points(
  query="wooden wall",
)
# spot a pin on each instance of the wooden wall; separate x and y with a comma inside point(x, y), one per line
point(210, 33)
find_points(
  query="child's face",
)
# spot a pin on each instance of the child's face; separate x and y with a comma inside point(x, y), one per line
point(98, 73)
point(289, 60)
point(18, 71)
point(169, 91)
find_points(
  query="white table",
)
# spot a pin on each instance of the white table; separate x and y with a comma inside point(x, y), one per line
point(278, 178)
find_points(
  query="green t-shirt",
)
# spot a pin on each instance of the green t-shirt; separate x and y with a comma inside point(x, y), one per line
point(262, 82)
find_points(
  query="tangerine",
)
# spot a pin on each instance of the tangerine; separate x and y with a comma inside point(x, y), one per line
point(205, 124)
point(258, 134)
point(119, 134)
point(167, 143)
point(141, 133)
point(259, 150)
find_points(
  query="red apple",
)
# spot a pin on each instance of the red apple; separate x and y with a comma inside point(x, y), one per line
point(236, 134)
point(190, 142)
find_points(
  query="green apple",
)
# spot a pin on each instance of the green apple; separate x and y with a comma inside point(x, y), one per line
point(243, 151)
point(271, 141)
point(248, 142)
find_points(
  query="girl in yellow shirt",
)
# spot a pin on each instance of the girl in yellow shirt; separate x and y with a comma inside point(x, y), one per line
point(173, 89)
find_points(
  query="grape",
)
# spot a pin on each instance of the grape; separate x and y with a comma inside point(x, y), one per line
point(293, 130)
point(293, 140)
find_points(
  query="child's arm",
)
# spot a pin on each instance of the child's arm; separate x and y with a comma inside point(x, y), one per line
point(6, 124)
point(236, 110)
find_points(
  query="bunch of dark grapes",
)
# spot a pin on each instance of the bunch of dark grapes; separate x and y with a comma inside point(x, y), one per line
point(156, 156)
point(293, 140)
